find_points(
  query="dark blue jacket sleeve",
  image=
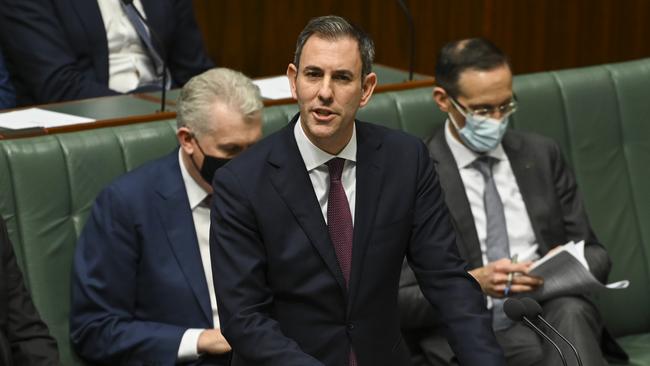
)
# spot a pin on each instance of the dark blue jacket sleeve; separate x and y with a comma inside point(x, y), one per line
point(7, 93)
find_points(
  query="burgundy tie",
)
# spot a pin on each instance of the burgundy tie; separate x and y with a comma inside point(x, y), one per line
point(339, 218)
point(339, 225)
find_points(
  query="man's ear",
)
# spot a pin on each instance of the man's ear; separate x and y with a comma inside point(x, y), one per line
point(292, 73)
point(442, 99)
point(184, 136)
point(367, 87)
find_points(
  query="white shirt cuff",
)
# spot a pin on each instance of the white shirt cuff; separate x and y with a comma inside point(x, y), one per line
point(188, 349)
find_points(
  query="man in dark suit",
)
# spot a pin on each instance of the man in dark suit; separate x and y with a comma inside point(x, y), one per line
point(7, 93)
point(310, 226)
point(24, 338)
point(142, 286)
point(525, 204)
point(72, 49)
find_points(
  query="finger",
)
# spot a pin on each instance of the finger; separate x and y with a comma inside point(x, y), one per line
point(527, 280)
point(498, 278)
point(517, 289)
point(516, 267)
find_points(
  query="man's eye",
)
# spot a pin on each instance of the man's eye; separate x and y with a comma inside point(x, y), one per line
point(312, 74)
point(342, 77)
point(482, 112)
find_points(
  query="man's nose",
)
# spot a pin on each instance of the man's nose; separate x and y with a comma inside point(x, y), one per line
point(325, 92)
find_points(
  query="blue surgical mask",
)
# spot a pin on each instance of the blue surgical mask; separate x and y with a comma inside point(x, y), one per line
point(481, 136)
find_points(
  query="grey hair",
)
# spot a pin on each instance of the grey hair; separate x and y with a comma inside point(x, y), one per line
point(332, 27)
point(227, 86)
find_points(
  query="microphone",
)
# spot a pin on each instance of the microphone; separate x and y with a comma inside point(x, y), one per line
point(516, 311)
point(534, 310)
point(409, 20)
point(153, 33)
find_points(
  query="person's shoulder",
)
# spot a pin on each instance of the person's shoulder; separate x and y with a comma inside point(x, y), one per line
point(143, 178)
point(386, 134)
point(532, 139)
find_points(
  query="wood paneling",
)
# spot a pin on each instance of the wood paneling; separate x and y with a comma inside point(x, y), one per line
point(258, 36)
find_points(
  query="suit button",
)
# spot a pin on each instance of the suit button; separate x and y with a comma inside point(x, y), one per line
point(350, 327)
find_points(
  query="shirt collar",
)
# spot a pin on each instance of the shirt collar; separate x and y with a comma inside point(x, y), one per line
point(314, 157)
point(463, 155)
point(195, 194)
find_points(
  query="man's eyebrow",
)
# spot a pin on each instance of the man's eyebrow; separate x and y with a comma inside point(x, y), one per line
point(312, 68)
point(486, 105)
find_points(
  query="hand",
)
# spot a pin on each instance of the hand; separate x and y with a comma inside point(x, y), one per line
point(494, 276)
point(211, 341)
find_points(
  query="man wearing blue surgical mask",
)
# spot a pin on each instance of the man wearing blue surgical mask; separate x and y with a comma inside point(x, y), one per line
point(142, 284)
point(512, 199)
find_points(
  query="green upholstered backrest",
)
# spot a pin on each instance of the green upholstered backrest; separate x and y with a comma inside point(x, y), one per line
point(599, 115)
point(48, 185)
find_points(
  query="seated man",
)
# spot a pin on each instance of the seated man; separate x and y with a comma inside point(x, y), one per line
point(142, 289)
point(510, 194)
point(74, 49)
point(7, 93)
point(24, 338)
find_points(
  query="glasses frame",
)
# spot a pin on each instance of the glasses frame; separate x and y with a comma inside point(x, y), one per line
point(482, 114)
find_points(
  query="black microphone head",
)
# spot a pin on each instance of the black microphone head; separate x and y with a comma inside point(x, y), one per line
point(533, 309)
point(514, 309)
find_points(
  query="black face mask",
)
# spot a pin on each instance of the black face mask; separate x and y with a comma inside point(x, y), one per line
point(210, 164)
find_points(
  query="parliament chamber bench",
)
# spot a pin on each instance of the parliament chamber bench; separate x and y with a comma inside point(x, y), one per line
point(599, 115)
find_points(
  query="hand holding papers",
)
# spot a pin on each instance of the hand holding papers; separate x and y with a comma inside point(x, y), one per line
point(566, 272)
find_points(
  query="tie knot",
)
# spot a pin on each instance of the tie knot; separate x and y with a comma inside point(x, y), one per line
point(484, 165)
point(207, 201)
point(336, 168)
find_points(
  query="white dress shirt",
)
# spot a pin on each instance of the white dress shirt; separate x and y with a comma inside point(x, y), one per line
point(201, 216)
point(129, 64)
point(520, 231)
point(315, 160)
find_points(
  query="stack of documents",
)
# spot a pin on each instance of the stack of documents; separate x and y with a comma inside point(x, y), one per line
point(565, 272)
point(36, 117)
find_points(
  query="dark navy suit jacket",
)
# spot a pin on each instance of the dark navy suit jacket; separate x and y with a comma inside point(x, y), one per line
point(57, 49)
point(281, 295)
point(138, 281)
point(7, 93)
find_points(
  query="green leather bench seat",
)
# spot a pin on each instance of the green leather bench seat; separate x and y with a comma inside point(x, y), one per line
point(600, 116)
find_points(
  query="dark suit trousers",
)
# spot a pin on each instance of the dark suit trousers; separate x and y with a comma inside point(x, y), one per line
point(574, 317)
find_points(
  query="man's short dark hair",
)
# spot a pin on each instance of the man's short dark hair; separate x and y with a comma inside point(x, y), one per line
point(332, 28)
point(467, 54)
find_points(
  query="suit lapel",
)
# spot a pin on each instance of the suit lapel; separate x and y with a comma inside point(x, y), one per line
point(369, 172)
point(523, 168)
point(456, 199)
point(91, 19)
point(177, 221)
point(291, 180)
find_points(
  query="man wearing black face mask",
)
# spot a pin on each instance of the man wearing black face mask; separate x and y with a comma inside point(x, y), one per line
point(512, 199)
point(142, 288)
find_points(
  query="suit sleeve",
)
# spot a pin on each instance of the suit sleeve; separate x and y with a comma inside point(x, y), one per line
point(576, 222)
point(7, 93)
point(239, 267)
point(27, 335)
point(35, 42)
point(103, 321)
point(415, 310)
point(186, 55)
point(442, 274)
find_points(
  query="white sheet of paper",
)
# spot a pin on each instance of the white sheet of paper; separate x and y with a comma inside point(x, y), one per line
point(276, 87)
point(37, 117)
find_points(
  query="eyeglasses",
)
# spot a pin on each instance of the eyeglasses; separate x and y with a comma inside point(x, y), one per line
point(482, 114)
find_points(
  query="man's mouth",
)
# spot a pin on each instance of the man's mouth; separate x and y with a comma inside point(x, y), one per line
point(323, 114)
